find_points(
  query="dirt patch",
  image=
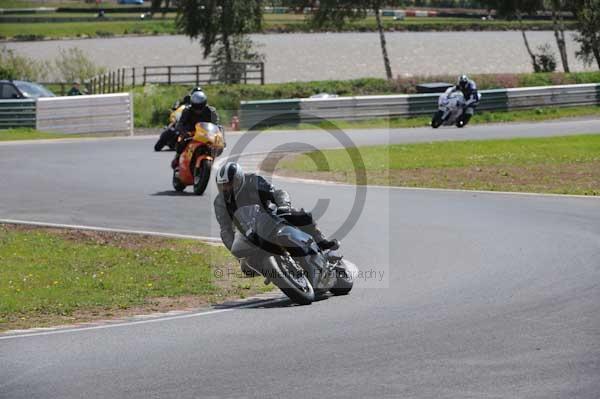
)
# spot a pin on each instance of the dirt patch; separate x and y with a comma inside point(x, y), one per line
point(572, 178)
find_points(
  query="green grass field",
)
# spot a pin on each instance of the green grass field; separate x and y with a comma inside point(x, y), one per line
point(37, 31)
point(51, 276)
point(272, 22)
point(566, 165)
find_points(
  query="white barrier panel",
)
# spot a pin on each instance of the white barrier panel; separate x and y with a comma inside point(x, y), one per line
point(101, 113)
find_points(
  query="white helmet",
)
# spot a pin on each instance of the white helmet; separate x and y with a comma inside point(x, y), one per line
point(230, 179)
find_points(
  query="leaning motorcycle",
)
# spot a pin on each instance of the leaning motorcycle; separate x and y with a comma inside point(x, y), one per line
point(196, 160)
point(289, 257)
point(168, 137)
point(450, 109)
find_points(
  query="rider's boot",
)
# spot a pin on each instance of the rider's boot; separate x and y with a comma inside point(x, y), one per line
point(321, 240)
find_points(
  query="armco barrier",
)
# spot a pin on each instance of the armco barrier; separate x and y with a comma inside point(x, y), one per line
point(17, 113)
point(309, 110)
point(86, 114)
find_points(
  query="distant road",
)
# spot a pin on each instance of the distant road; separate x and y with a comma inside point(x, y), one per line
point(324, 56)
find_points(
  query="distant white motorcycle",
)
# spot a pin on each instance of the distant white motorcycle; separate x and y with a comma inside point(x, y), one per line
point(451, 106)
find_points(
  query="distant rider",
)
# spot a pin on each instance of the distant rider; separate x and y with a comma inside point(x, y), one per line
point(197, 111)
point(186, 99)
point(238, 189)
point(471, 95)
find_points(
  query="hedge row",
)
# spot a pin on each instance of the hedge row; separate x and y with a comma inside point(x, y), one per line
point(152, 102)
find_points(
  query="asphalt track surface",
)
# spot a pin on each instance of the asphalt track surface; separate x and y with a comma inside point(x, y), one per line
point(465, 295)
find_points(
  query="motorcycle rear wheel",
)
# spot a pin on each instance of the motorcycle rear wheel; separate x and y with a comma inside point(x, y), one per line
point(202, 176)
point(293, 281)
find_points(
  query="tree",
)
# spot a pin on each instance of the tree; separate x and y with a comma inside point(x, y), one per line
point(337, 12)
point(220, 25)
point(516, 8)
point(557, 8)
point(588, 27)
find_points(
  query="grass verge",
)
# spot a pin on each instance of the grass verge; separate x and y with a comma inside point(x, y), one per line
point(59, 30)
point(563, 165)
point(532, 115)
point(53, 276)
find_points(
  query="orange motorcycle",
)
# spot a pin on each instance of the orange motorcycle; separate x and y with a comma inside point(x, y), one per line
point(195, 162)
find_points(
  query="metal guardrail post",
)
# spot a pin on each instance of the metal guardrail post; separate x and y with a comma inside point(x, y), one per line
point(197, 75)
point(169, 75)
point(144, 84)
point(133, 77)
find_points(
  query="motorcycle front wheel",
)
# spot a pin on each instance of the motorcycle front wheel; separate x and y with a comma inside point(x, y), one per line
point(437, 119)
point(162, 140)
point(343, 284)
point(177, 184)
point(293, 281)
point(202, 176)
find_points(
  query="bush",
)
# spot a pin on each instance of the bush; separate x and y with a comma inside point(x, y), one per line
point(13, 66)
point(545, 61)
point(28, 37)
point(72, 64)
point(104, 33)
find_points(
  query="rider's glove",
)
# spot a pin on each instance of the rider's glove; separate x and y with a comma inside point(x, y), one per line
point(284, 209)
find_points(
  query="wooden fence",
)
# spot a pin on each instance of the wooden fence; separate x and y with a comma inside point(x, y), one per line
point(124, 78)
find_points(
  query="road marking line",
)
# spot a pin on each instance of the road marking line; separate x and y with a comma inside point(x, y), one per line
point(458, 190)
point(334, 183)
point(210, 240)
point(138, 322)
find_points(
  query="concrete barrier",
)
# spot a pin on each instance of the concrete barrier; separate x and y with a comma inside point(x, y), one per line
point(102, 113)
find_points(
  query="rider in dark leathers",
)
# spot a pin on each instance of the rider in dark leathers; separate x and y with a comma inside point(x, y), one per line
point(197, 111)
point(471, 95)
point(186, 99)
point(237, 189)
